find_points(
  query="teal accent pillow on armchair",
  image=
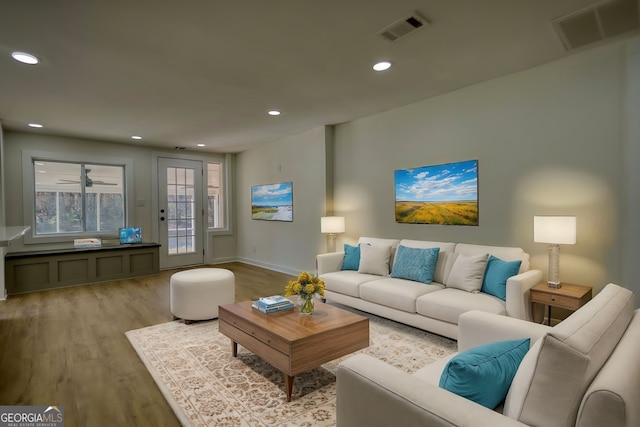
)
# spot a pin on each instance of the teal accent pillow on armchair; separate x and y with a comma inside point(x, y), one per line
point(484, 374)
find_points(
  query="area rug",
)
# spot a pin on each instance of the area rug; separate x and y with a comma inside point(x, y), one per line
point(206, 386)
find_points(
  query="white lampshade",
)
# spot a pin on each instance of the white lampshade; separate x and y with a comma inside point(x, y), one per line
point(559, 230)
point(332, 224)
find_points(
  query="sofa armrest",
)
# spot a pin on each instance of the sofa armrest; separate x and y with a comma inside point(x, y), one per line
point(372, 393)
point(518, 302)
point(327, 263)
point(479, 327)
point(613, 396)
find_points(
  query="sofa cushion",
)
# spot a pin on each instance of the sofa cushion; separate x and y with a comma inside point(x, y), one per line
point(446, 256)
point(448, 304)
point(443, 266)
point(503, 252)
point(496, 275)
point(555, 374)
point(351, 257)
point(396, 293)
point(347, 282)
point(443, 246)
point(483, 374)
point(432, 372)
point(467, 272)
point(374, 259)
point(416, 264)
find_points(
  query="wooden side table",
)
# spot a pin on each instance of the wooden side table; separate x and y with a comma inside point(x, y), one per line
point(568, 296)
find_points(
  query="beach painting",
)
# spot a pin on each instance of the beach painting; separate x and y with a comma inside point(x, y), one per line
point(441, 194)
point(272, 202)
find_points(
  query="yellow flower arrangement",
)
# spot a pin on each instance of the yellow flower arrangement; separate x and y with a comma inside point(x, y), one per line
point(305, 286)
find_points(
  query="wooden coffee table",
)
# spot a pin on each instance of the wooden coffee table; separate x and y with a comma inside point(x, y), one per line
point(291, 342)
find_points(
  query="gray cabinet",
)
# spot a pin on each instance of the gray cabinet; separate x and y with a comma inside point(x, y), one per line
point(36, 271)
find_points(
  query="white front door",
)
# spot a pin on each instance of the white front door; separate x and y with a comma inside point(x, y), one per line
point(180, 212)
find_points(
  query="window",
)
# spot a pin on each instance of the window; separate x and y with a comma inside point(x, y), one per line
point(72, 198)
point(215, 196)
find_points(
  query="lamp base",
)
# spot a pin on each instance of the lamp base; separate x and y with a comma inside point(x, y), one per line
point(331, 242)
point(555, 285)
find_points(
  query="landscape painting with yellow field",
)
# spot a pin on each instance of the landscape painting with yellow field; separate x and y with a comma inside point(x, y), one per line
point(441, 194)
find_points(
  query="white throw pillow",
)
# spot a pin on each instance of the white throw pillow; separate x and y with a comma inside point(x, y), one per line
point(374, 259)
point(467, 272)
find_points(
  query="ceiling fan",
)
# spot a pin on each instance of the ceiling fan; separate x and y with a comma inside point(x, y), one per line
point(88, 182)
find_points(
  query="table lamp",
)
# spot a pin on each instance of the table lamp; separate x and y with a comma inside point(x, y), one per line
point(555, 230)
point(332, 226)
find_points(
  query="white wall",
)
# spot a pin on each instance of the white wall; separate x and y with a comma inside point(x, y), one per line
point(632, 171)
point(548, 141)
point(290, 247)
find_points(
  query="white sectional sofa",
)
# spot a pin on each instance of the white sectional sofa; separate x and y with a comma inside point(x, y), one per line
point(434, 306)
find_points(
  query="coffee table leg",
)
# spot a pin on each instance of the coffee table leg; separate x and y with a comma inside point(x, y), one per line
point(288, 384)
point(234, 348)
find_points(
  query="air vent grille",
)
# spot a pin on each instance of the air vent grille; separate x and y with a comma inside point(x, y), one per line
point(403, 27)
point(180, 148)
point(603, 20)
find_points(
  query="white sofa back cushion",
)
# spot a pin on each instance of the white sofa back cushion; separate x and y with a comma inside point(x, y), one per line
point(505, 253)
point(445, 258)
point(555, 373)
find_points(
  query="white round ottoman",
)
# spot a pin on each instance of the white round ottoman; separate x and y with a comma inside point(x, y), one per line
point(196, 294)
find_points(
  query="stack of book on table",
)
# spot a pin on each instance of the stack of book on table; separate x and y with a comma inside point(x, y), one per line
point(271, 304)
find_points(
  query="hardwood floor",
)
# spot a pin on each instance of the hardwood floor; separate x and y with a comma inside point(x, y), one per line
point(67, 347)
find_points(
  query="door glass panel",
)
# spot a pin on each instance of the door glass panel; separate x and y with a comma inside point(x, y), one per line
point(181, 208)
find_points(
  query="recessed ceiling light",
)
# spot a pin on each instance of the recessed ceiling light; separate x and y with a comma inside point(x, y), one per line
point(35, 125)
point(381, 66)
point(274, 113)
point(201, 145)
point(25, 58)
point(136, 137)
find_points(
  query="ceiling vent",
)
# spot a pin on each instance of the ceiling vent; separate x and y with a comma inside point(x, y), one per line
point(603, 20)
point(403, 27)
point(180, 148)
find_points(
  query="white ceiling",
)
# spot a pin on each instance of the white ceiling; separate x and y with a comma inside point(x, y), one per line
point(180, 73)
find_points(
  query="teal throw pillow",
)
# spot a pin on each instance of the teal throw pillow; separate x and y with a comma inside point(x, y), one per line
point(496, 275)
point(416, 264)
point(484, 374)
point(351, 257)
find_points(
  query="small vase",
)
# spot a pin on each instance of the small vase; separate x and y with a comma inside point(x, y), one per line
point(306, 304)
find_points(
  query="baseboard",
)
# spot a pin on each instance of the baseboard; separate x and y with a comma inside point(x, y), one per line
point(223, 260)
point(269, 266)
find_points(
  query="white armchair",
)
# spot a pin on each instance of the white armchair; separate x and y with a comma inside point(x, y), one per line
point(582, 372)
